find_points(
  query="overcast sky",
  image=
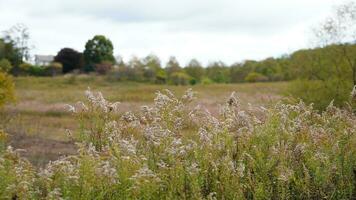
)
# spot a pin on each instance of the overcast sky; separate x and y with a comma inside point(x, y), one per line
point(209, 30)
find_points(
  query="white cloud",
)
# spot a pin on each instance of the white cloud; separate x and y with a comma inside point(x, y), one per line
point(227, 30)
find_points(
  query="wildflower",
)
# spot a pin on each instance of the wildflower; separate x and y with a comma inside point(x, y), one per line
point(70, 108)
point(106, 171)
point(240, 169)
point(193, 168)
point(144, 173)
point(188, 96)
point(233, 100)
point(55, 194)
point(285, 174)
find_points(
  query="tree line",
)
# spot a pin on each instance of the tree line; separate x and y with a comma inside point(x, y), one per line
point(320, 75)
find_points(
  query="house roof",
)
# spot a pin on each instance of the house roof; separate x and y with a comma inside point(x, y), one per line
point(44, 58)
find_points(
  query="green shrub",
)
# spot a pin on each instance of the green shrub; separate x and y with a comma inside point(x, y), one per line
point(206, 81)
point(37, 71)
point(6, 89)
point(321, 93)
point(179, 78)
point(255, 77)
point(55, 68)
point(5, 65)
point(161, 76)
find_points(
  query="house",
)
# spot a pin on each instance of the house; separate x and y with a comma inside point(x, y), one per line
point(43, 60)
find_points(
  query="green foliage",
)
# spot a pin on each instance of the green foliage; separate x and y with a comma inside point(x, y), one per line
point(9, 51)
point(324, 75)
point(161, 76)
point(255, 77)
point(55, 68)
point(5, 65)
point(6, 89)
point(218, 72)
point(321, 93)
point(35, 70)
point(97, 50)
point(206, 81)
point(179, 78)
point(195, 70)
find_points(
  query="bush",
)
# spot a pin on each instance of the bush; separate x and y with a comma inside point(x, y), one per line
point(5, 65)
point(161, 76)
point(55, 68)
point(25, 67)
point(206, 81)
point(321, 93)
point(37, 71)
point(179, 78)
point(255, 77)
point(6, 89)
point(104, 67)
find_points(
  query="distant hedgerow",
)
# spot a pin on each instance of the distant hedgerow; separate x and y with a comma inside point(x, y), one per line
point(173, 150)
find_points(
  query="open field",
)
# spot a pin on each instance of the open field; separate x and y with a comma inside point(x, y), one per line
point(38, 121)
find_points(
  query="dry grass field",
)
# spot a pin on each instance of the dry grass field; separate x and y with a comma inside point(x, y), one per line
point(38, 121)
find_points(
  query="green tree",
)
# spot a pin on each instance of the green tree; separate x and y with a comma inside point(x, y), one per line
point(179, 78)
point(10, 52)
point(97, 50)
point(172, 66)
point(218, 72)
point(195, 70)
point(138, 68)
point(328, 73)
point(19, 36)
point(152, 65)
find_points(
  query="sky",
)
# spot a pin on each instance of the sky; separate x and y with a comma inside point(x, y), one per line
point(208, 30)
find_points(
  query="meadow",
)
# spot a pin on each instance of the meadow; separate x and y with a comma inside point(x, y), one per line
point(201, 143)
point(39, 120)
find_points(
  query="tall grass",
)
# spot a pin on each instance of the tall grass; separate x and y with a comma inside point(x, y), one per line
point(170, 151)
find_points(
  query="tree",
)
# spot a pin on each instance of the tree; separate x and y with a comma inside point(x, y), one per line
point(152, 65)
point(195, 70)
point(179, 78)
point(97, 50)
point(19, 36)
point(328, 73)
point(340, 29)
point(138, 68)
point(238, 72)
point(172, 66)
point(218, 72)
point(10, 52)
point(70, 59)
